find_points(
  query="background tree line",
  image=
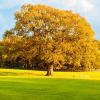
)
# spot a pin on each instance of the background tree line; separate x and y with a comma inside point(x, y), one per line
point(47, 38)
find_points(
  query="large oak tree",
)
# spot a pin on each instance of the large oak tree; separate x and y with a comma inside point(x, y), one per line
point(56, 38)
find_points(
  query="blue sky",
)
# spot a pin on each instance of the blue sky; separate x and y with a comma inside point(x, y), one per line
point(86, 8)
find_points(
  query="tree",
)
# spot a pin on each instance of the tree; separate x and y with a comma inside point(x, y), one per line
point(53, 29)
point(56, 38)
point(97, 54)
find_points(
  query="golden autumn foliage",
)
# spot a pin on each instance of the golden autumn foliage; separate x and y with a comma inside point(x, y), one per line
point(52, 39)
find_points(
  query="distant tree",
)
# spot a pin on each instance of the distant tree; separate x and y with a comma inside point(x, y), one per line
point(97, 54)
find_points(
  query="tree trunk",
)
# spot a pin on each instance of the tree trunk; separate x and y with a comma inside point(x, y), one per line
point(50, 71)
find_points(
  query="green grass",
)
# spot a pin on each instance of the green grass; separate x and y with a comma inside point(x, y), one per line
point(48, 89)
point(33, 85)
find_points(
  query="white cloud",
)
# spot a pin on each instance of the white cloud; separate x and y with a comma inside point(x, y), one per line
point(83, 5)
point(86, 5)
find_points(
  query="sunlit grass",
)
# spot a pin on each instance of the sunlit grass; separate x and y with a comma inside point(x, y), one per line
point(41, 74)
point(34, 85)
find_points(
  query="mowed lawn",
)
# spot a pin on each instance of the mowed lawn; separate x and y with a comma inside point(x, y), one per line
point(33, 85)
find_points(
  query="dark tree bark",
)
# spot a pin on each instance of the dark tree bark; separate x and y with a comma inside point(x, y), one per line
point(50, 71)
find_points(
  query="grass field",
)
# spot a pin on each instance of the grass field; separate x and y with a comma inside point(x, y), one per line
point(33, 85)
